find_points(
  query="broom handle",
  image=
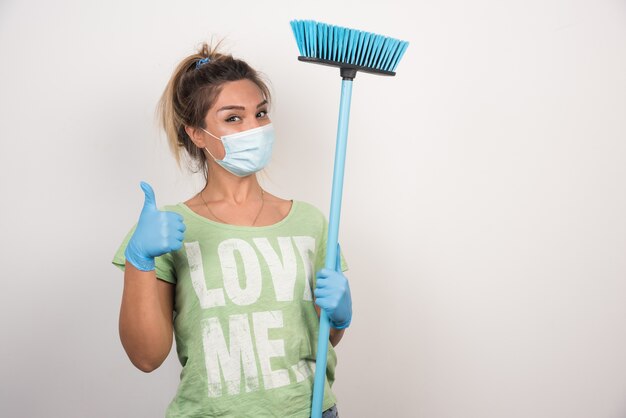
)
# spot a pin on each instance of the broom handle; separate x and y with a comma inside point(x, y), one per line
point(333, 254)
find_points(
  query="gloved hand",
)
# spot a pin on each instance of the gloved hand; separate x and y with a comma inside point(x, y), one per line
point(157, 233)
point(332, 293)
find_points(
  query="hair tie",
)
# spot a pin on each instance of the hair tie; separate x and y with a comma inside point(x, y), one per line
point(202, 62)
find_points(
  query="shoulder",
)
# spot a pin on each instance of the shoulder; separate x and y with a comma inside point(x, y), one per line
point(299, 208)
point(172, 208)
point(310, 209)
point(309, 215)
point(187, 212)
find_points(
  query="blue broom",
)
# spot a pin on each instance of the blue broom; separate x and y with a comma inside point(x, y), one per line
point(351, 50)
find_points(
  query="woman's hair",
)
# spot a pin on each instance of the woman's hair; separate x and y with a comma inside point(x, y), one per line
point(190, 93)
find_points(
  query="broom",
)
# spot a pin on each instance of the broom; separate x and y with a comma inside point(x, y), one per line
point(351, 50)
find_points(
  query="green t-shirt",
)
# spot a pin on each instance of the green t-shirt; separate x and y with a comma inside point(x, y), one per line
point(244, 318)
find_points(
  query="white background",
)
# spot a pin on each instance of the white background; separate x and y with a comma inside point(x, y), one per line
point(484, 201)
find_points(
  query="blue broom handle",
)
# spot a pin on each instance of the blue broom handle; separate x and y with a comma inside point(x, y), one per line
point(333, 253)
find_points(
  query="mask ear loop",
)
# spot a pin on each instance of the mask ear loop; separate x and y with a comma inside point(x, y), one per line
point(207, 150)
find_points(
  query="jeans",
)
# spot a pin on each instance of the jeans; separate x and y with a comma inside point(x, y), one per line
point(331, 412)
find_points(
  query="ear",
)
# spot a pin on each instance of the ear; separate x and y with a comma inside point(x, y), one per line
point(196, 136)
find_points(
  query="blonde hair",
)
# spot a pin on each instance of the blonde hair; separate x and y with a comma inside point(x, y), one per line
point(190, 93)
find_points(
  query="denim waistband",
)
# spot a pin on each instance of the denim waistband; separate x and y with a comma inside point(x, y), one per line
point(331, 412)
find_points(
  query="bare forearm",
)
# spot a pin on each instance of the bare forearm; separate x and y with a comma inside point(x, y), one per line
point(145, 326)
point(336, 335)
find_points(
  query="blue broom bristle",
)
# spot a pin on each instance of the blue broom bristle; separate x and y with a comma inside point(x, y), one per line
point(349, 46)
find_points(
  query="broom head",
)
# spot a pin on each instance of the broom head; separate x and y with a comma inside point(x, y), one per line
point(351, 50)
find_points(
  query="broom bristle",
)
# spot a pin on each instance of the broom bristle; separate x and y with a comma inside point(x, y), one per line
point(349, 46)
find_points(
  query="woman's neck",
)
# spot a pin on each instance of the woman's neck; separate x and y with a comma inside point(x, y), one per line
point(228, 188)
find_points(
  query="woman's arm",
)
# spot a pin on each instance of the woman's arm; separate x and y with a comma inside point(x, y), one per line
point(146, 314)
point(146, 318)
point(332, 293)
point(335, 336)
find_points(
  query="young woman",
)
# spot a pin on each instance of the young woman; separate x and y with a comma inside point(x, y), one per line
point(234, 273)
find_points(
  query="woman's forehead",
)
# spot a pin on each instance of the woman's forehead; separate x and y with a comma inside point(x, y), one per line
point(239, 93)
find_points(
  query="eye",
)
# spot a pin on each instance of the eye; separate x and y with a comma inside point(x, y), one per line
point(232, 118)
point(262, 114)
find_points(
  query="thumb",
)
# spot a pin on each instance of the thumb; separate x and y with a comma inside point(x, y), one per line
point(150, 201)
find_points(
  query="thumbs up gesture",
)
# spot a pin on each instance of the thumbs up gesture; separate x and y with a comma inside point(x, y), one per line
point(157, 233)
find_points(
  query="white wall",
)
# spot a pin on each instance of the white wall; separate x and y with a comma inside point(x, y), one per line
point(484, 207)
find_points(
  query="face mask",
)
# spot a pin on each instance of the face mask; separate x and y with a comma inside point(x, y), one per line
point(246, 152)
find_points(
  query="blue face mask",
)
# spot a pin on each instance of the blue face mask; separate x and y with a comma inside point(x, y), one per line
point(246, 152)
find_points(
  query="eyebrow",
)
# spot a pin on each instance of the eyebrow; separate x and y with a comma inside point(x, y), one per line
point(235, 107)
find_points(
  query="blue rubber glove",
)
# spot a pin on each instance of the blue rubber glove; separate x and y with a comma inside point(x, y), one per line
point(332, 293)
point(157, 233)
